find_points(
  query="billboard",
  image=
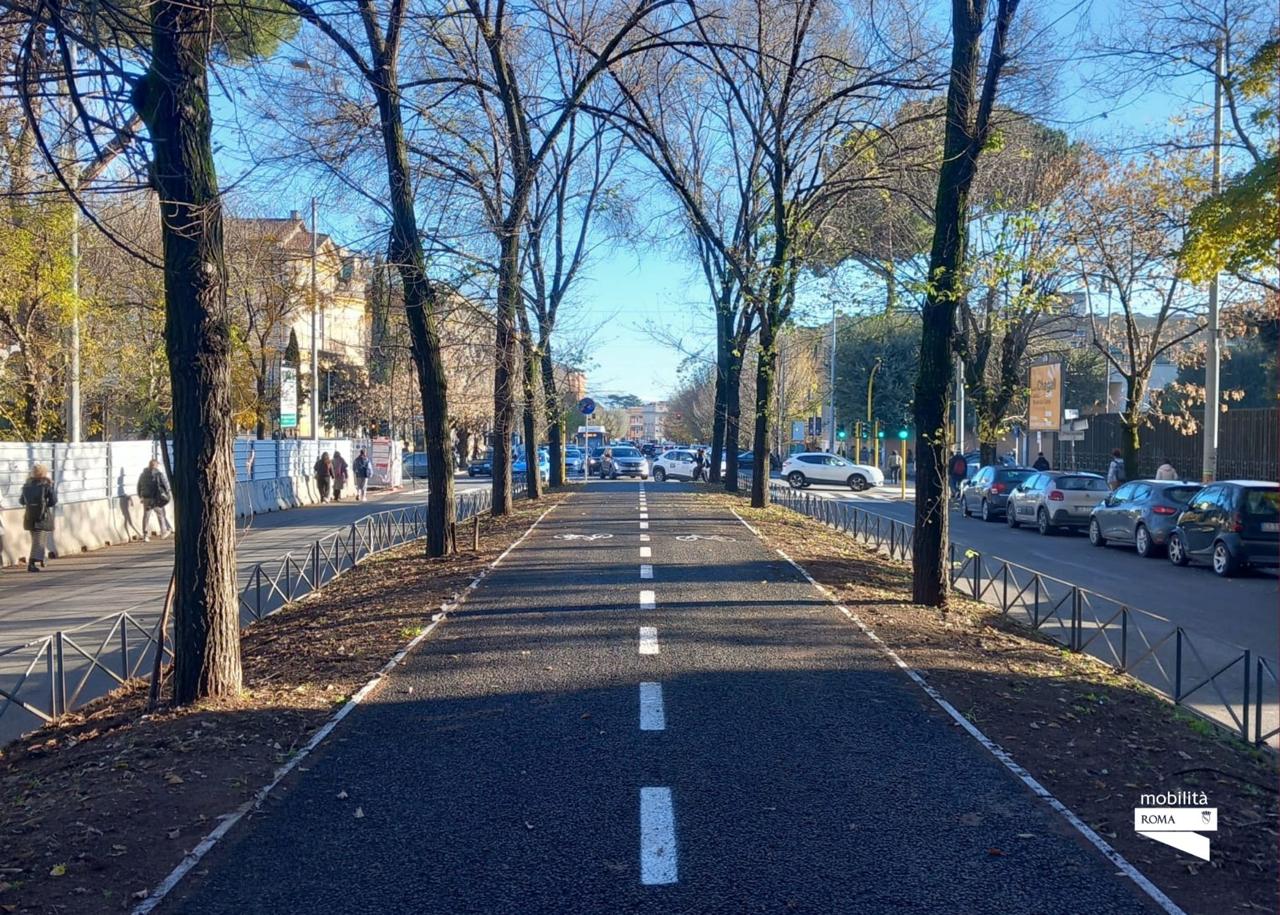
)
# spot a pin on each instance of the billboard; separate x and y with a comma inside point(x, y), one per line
point(288, 397)
point(1045, 411)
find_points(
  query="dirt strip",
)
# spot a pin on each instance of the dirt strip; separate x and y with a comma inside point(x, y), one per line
point(1096, 739)
point(100, 807)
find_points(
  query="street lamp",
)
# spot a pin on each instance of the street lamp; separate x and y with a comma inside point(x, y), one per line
point(902, 473)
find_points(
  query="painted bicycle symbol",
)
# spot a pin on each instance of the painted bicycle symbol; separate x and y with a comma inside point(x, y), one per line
point(584, 536)
point(715, 538)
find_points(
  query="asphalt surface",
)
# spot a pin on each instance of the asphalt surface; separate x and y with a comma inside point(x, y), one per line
point(503, 767)
point(1239, 610)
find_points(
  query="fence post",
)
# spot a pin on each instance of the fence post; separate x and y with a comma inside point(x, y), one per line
point(62, 677)
point(257, 590)
point(1257, 698)
point(124, 648)
point(1124, 639)
point(1077, 619)
point(315, 565)
point(1177, 670)
point(977, 576)
point(1244, 717)
point(51, 666)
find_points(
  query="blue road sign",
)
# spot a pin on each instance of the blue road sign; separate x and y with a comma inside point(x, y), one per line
point(586, 406)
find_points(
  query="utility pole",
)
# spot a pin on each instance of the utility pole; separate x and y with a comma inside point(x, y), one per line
point(315, 334)
point(74, 431)
point(959, 407)
point(831, 431)
point(872, 426)
point(1209, 464)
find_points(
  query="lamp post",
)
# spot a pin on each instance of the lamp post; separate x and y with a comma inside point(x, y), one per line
point(871, 381)
point(1209, 462)
point(902, 467)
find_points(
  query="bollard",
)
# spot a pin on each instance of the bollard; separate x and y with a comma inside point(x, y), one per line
point(475, 532)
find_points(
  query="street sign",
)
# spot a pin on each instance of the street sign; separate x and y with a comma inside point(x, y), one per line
point(1069, 413)
point(288, 397)
point(797, 430)
point(1071, 436)
point(586, 406)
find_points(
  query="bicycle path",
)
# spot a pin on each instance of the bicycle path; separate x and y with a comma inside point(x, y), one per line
point(713, 739)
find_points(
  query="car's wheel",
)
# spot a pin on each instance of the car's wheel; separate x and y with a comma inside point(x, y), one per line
point(1224, 561)
point(1095, 533)
point(1010, 518)
point(1143, 543)
point(857, 482)
point(987, 514)
point(796, 479)
point(659, 475)
point(1177, 552)
point(1043, 524)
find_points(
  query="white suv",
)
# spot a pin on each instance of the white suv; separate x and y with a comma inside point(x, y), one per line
point(676, 464)
point(819, 467)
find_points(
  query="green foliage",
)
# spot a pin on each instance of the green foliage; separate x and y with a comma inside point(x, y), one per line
point(895, 341)
point(1235, 231)
point(246, 31)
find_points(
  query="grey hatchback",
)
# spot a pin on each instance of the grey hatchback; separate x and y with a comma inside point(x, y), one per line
point(1142, 513)
point(989, 490)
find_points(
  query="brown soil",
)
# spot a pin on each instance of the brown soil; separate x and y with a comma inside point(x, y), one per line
point(100, 807)
point(1095, 738)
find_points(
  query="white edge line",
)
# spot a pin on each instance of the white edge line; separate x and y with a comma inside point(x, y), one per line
point(229, 820)
point(1101, 844)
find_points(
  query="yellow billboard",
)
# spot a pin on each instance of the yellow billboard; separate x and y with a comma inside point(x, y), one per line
point(1045, 411)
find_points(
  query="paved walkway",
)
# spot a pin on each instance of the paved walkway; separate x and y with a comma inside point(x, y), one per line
point(584, 738)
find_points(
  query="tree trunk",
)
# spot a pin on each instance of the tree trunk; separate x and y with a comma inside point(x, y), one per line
point(464, 445)
point(173, 101)
point(262, 396)
point(504, 369)
point(555, 414)
point(765, 368)
point(529, 387)
point(723, 347)
point(405, 251)
point(732, 420)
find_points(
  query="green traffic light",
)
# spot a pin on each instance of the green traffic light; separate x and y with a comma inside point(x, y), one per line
point(902, 434)
point(880, 434)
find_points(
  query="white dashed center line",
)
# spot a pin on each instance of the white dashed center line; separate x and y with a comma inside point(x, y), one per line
point(648, 640)
point(645, 552)
point(657, 837)
point(647, 600)
point(646, 570)
point(644, 525)
point(644, 515)
point(644, 538)
point(652, 715)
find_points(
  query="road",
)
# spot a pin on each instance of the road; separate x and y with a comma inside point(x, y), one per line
point(1241, 610)
point(579, 738)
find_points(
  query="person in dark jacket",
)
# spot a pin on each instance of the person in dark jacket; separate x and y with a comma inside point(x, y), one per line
point(339, 475)
point(324, 475)
point(38, 498)
point(1042, 462)
point(153, 490)
point(360, 468)
point(699, 465)
point(958, 469)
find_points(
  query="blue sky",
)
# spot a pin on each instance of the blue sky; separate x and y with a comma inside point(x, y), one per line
point(627, 292)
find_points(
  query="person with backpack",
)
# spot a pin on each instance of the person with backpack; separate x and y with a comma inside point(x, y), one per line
point(699, 465)
point(153, 490)
point(360, 468)
point(959, 469)
point(1115, 470)
point(339, 475)
point(324, 475)
point(38, 499)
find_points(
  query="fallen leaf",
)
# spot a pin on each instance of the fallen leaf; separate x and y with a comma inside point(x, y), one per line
point(342, 795)
point(174, 833)
point(995, 853)
point(359, 814)
point(173, 778)
point(58, 870)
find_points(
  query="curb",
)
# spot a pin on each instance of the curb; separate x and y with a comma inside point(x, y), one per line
point(229, 820)
point(1122, 865)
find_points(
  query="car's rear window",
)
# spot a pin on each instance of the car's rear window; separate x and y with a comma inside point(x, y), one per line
point(1262, 503)
point(1180, 494)
point(1013, 476)
point(1081, 484)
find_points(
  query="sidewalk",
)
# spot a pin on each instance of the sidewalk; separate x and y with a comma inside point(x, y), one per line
point(643, 709)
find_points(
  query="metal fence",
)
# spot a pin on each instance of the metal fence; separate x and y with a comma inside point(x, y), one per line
point(48, 677)
point(1231, 686)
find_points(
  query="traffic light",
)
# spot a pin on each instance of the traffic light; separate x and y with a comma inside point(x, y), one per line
point(842, 433)
point(902, 434)
point(880, 434)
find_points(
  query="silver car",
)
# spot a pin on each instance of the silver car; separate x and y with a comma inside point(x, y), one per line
point(1143, 513)
point(1056, 499)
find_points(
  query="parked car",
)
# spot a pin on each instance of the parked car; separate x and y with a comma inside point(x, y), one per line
point(1055, 500)
point(1142, 512)
point(747, 460)
point(809, 467)
point(573, 460)
point(1233, 524)
point(988, 491)
point(414, 465)
point(481, 466)
point(629, 462)
point(676, 464)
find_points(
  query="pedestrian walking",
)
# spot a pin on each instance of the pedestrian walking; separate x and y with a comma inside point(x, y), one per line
point(38, 498)
point(1042, 462)
point(1166, 471)
point(895, 467)
point(360, 469)
point(153, 490)
point(958, 469)
point(324, 475)
point(339, 475)
point(1115, 470)
point(699, 465)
